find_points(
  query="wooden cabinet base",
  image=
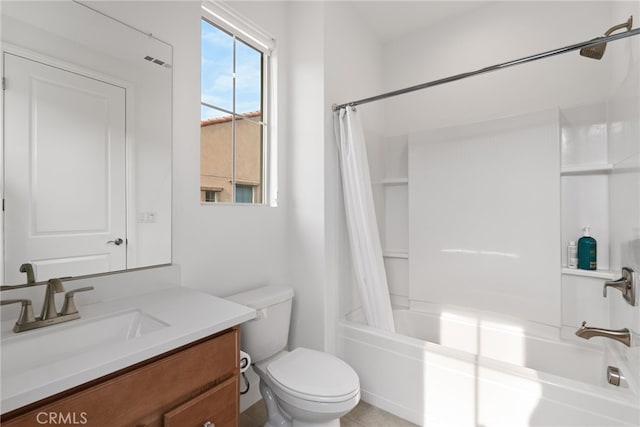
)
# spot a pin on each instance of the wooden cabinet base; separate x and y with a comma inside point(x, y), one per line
point(185, 387)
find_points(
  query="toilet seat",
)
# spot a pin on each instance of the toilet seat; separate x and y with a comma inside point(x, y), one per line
point(314, 376)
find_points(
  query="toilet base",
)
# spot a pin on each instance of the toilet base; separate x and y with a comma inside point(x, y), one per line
point(332, 423)
point(276, 416)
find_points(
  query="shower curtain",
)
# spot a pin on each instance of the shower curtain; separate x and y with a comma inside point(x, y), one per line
point(364, 240)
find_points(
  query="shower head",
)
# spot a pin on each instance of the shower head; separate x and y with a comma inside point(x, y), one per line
point(597, 51)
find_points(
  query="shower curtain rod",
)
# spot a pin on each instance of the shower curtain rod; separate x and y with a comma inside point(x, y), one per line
point(461, 76)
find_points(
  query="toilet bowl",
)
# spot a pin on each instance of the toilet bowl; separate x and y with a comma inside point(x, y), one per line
point(312, 387)
point(302, 387)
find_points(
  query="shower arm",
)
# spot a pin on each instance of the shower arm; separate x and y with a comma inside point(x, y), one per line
point(626, 25)
point(547, 54)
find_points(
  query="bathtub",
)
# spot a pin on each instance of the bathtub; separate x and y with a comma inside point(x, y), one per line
point(458, 369)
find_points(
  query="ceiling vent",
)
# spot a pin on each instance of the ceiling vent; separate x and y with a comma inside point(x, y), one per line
point(157, 61)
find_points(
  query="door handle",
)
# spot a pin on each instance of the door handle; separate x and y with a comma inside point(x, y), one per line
point(116, 242)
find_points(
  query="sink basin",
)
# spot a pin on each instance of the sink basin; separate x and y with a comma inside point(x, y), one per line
point(28, 350)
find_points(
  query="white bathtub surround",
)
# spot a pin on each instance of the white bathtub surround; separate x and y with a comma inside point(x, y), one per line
point(484, 204)
point(457, 369)
point(364, 238)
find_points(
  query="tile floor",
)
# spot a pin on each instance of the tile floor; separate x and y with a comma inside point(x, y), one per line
point(363, 415)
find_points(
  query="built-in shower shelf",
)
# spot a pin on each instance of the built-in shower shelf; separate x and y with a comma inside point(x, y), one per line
point(587, 169)
point(395, 254)
point(395, 181)
point(596, 274)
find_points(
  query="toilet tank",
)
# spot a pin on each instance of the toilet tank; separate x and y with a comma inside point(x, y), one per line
point(268, 333)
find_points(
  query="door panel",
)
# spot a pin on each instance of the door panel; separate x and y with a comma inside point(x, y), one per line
point(65, 172)
point(61, 202)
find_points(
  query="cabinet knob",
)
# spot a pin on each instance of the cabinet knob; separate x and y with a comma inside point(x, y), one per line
point(209, 424)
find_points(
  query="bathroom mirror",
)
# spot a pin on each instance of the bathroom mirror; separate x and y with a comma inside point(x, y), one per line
point(87, 142)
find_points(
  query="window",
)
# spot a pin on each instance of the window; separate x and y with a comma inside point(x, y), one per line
point(234, 131)
point(244, 193)
point(209, 195)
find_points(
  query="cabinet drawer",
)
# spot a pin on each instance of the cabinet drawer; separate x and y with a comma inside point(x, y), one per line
point(218, 406)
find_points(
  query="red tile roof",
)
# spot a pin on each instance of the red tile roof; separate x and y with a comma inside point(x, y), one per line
point(208, 122)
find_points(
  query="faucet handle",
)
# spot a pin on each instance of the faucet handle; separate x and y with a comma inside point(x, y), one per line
point(625, 285)
point(26, 312)
point(69, 306)
point(620, 284)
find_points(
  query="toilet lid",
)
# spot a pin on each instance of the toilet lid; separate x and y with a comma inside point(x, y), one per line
point(314, 375)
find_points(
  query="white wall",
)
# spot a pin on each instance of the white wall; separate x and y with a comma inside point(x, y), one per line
point(329, 56)
point(305, 162)
point(495, 33)
point(225, 249)
point(221, 249)
point(324, 55)
point(352, 71)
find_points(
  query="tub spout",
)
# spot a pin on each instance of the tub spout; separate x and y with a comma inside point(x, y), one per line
point(621, 335)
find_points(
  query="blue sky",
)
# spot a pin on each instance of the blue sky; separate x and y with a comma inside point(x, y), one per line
point(217, 73)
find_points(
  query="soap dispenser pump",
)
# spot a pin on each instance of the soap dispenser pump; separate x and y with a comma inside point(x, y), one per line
point(587, 249)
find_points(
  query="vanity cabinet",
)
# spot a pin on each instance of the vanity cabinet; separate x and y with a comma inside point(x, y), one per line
point(189, 386)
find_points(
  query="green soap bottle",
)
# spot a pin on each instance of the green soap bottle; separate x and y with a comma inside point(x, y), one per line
point(587, 249)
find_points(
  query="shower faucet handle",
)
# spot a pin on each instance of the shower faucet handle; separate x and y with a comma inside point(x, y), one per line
point(625, 284)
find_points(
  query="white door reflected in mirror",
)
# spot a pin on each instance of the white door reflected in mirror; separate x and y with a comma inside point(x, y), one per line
point(64, 170)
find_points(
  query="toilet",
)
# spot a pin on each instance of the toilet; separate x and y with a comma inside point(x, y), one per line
point(302, 387)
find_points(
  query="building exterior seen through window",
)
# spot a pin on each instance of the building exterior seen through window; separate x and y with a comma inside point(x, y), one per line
point(232, 125)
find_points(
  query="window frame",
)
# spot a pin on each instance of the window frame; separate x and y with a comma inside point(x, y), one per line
point(207, 193)
point(227, 20)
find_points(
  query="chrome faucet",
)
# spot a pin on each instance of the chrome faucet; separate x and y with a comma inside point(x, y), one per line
point(49, 315)
point(621, 335)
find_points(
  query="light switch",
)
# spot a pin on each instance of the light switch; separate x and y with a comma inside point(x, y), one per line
point(146, 217)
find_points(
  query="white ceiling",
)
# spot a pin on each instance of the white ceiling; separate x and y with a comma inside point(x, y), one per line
point(392, 19)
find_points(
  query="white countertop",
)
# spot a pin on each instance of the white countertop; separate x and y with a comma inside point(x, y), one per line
point(188, 314)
